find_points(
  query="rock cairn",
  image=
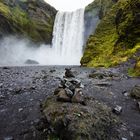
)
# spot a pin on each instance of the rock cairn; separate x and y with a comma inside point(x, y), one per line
point(70, 89)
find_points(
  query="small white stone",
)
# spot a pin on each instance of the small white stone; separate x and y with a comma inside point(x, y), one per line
point(124, 138)
point(131, 134)
point(20, 109)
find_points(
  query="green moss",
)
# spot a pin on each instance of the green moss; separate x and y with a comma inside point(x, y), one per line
point(135, 72)
point(102, 6)
point(38, 29)
point(116, 37)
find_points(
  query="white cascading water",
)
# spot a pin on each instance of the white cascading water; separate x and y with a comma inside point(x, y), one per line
point(66, 49)
point(68, 37)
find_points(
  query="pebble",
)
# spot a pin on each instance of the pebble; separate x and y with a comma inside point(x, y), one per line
point(1, 84)
point(117, 110)
point(20, 109)
point(124, 139)
point(125, 93)
point(9, 138)
point(2, 97)
point(138, 105)
point(69, 92)
point(131, 134)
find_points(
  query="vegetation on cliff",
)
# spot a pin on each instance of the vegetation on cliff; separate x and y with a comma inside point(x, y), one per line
point(117, 37)
point(30, 18)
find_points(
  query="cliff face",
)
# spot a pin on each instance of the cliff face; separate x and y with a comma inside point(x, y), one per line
point(117, 36)
point(94, 12)
point(33, 19)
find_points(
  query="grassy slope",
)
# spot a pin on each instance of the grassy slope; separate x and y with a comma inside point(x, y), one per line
point(21, 23)
point(117, 36)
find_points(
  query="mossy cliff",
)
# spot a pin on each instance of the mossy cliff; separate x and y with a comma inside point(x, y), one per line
point(33, 19)
point(117, 36)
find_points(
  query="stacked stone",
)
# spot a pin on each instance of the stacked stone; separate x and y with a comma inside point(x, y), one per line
point(70, 90)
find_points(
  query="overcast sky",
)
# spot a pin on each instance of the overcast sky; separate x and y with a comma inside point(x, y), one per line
point(68, 5)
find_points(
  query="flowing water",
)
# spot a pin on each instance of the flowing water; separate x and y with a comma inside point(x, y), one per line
point(68, 36)
point(66, 48)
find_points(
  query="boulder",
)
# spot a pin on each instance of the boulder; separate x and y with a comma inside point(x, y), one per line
point(78, 96)
point(62, 96)
point(69, 73)
point(29, 61)
point(71, 121)
point(135, 92)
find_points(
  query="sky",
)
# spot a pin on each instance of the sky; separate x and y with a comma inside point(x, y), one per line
point(68, 5)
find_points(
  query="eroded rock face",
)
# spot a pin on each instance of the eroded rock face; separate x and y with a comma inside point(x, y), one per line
point(117, 34)
point(73, 121)
point(33, 19)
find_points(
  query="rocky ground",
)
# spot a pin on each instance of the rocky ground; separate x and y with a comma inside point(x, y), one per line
point(22, 90)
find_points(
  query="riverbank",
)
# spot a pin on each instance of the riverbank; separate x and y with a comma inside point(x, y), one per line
point(22, 90)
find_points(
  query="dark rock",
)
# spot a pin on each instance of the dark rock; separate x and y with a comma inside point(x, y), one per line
point(2, 98)
point(117, 110)
point(69, 92)
point(57, 90)
point(97, 75)
point(104, 84)
point(69, 73)
point(135, 92)
point(6, 68)
point(52, 71)
point(18, 90)
point(29, 61)
point(70, 86)
point(69, 121)
point(138, 104)
point(78, 96)
point(63, 97)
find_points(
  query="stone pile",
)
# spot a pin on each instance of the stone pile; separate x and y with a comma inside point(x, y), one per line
point(70, 90)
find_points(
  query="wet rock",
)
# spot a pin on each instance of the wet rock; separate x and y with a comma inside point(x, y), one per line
point(20, 109)
point(57, 90)
point(61, 86)
point(77, 122)
point(1, 84)
point(135, 92)
point(103, 84)
point(78, 96)
point(125, 93)
point(70, 86)
point(18, 90)
point(69, 92)
point(6, 68)
point(62, 96)
point(138, 104)
point(9, 138)
point(30, 61)
point(131, 134)
point(97, 75)
point(68, 73)
point(52, 71)
point(2, 98)
point(117, 110)
point(124, 139)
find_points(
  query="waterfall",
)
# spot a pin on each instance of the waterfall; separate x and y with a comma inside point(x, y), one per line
point(66, 48)
point(68, 37)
